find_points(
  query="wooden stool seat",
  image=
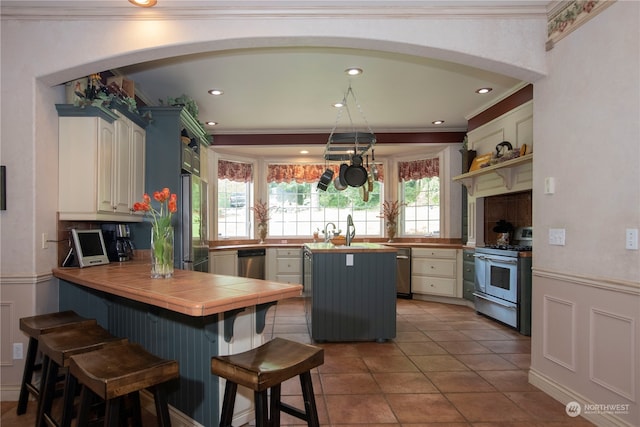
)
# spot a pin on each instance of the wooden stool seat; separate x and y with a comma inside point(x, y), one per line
point(267, 367)
point(57, 348)
point(116, 371)
point(35, 326)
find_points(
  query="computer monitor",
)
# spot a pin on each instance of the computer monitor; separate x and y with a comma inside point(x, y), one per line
point(90, 248)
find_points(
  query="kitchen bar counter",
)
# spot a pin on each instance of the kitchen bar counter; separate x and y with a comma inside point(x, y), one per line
point(187, 292)
point(189, 318)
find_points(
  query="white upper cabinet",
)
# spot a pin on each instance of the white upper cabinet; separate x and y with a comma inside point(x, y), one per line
point(101, 165)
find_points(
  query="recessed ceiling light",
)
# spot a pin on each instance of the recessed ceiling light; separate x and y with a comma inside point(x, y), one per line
point(353, 71)
point(144, 3)
point(304, 152)
point(210, 123)
point(437, 122)
point(215, 92)
point(339, 104)
point(484, 90)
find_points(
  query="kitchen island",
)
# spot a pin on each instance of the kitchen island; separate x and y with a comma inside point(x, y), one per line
point(350, 291)
point(189, 317)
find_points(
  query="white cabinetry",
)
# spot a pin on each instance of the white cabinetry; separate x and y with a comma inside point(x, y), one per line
point(435, 272)
point(100, 165)
point(223, 262)
point(284, 265)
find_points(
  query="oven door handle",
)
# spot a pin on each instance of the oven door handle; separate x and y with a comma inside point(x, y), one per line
point(501, 261)
point(495, 300)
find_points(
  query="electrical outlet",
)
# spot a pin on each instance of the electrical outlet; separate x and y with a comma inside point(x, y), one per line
point(45, 243)
point(631, 239)
point(556, 236)
point(17, 351)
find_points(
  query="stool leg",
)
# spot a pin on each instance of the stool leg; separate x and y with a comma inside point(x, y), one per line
point(274, 409)
point(135, 411)
point(260, 399)
point(69, 396)
point(309, 399)
point(112, 412)
point(27, 376)
point(86, 398)
point(47, 389)
point(162, 408)
point(226, 418)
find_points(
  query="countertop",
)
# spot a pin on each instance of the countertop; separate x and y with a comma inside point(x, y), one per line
point(188, 292)
point(354, 248)
point(290, 244)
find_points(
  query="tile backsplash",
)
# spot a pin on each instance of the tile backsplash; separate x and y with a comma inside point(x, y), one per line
point(515, 208)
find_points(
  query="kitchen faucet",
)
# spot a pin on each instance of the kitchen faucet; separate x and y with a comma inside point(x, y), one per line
point(351, 230)
point(326, 231)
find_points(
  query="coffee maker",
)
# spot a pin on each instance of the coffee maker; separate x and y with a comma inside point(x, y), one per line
point(117, 239)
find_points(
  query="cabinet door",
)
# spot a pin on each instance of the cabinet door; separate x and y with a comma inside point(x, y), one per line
point(122, 166)
point(106, 166)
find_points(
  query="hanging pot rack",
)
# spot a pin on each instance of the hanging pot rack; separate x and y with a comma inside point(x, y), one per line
point(342, 146)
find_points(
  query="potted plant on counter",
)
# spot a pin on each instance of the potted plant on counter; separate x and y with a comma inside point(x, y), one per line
point(262, 218)
point(390, 212)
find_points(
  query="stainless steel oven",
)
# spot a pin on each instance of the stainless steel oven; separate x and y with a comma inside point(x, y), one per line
point(503, 285)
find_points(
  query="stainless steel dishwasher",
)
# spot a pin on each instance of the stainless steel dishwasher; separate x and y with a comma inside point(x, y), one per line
point(251, 263)
point(403, 274)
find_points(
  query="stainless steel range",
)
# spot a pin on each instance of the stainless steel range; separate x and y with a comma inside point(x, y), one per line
point(503, 284)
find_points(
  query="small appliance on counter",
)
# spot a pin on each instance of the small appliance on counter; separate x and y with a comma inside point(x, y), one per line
point(117, 239)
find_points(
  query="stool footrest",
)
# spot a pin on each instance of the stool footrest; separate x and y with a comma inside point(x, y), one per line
point(286, 408)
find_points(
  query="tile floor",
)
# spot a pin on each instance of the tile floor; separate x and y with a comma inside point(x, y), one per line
point(447, 367)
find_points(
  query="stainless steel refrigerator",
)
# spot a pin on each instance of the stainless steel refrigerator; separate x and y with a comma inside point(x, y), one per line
point(194, 245)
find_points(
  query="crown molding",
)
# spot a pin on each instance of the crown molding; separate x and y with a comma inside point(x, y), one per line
point(198, 10)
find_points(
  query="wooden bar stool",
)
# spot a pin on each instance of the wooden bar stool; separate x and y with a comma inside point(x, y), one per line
point(114, 372)
point(267, 367)
point(57, 348)
point(35, 326)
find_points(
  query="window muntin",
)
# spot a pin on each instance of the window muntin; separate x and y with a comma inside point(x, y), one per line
point(299, 208)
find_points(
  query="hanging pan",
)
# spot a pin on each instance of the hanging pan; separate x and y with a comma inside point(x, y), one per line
point(356, 174)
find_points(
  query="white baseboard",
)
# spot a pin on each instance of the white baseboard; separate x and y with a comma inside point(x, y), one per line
point(565, 395)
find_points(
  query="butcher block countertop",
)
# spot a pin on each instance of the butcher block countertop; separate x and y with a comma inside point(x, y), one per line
point(355, 247)
point(187, 292)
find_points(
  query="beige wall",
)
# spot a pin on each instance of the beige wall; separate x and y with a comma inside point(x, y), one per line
point(586, 339)
point(38, 54)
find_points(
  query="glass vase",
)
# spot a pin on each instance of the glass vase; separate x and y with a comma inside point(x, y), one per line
point(161, 252)
point(392, 228)
point(262, 231)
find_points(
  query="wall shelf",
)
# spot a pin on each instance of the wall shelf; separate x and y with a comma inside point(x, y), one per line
point(509, 171)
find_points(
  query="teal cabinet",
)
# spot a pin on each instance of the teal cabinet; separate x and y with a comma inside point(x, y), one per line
point(468, 274)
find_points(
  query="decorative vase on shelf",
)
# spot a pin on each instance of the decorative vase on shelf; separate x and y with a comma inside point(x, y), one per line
point(161, 252)
point(262, 231)
point(391, 231)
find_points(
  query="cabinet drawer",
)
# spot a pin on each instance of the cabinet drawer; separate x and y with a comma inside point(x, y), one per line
point(434, 267)
point(294, 279)
point(467, 290)
point(289, 265)
point(433, 285)
point(288, 253)
point(433, 253)
point(468, 271)
point(468, 256)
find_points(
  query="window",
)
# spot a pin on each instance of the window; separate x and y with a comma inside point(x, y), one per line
point(235, 187)
point(298, 208)
point(420, 190)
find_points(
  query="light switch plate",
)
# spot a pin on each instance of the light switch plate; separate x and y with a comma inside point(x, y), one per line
point(349, 260)
point(557, 236)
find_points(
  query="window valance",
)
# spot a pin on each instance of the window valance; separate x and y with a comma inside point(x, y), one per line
point(235, 171)
point(418, 169)
point(304, 173)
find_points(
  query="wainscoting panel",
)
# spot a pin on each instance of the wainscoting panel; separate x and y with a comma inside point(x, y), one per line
point(559, 320)
point(612, 355)
point(6, 330)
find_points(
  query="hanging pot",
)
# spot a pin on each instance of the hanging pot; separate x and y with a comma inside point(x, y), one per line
point(339, 185)
point(364, 191)
point(341, 175)
point(356, 174)
point(374, 168)
point(325, 179)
